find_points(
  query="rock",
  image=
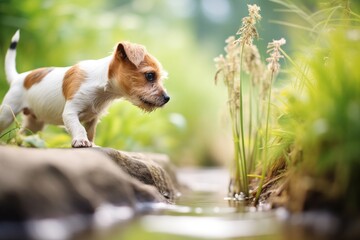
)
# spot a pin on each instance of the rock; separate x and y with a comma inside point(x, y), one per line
point(52, 183)
point(151, 169)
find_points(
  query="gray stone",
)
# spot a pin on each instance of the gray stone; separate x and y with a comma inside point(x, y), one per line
point(51, 183)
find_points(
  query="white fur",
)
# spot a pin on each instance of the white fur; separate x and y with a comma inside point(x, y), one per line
point(10, 68)
point(49, 88)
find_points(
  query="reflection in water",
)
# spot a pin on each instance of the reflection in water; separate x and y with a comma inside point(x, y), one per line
point(213, 227)
point(203, 212)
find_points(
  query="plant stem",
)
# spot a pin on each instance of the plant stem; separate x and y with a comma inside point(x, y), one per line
point(255, 148)
point(237, 151)
point(242, 137)
point(254, 151)
point(235, 132)
point(265, 158)
point(250, 126)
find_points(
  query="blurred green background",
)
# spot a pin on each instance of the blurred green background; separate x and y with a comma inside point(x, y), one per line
point(184, 35)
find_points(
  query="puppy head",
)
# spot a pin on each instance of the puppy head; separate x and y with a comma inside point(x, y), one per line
point(138, 76)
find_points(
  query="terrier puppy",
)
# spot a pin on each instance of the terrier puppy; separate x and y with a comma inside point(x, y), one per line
point(79, 94)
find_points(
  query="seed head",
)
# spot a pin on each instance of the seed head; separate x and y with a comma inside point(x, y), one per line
point(252, 64)
point(248, 31)
point(274, 50)
point(228, 65)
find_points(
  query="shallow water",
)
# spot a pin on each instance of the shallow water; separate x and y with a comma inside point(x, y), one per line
point(203, 213)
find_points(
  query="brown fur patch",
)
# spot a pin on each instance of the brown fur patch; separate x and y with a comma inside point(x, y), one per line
point(36, 76)
point(128, 76)
point(129, 80)
point(73, 79)
point(119, 70)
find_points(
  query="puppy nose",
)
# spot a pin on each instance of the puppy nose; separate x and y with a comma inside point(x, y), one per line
point(166, 98)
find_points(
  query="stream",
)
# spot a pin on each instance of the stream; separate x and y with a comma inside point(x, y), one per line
point(202, 212)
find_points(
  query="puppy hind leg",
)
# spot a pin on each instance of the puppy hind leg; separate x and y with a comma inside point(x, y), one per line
point(31, 125)
point(90, 128)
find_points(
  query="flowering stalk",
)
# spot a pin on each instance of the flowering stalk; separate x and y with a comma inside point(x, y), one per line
point(274, 49)
point(247, 33)
point(241, 55)
point(254, 67)
point(228, 67)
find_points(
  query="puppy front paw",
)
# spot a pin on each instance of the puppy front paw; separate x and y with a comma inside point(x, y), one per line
point(81, 143)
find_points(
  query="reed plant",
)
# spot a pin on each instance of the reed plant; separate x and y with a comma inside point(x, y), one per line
point(308, 129)
point(274, 48)
point(242, 62)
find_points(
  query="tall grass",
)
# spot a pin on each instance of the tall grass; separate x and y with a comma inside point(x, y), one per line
point(319, 117)
point(326, 123)
point(242, 57)
point(306, 132)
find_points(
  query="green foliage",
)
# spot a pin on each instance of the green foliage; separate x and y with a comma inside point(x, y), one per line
point(45, 33)
point(327, 118)
point(140, 131)
point(14, 137)
point(318, 125)
point(332, 107)
point(323, 124)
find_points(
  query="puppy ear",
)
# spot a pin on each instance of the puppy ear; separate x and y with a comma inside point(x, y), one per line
point(120, 52)
point(134, 52)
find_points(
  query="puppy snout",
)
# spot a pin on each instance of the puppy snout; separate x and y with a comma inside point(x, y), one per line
point(166, 98)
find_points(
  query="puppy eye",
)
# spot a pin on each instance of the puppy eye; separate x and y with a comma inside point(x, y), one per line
point(150, 76)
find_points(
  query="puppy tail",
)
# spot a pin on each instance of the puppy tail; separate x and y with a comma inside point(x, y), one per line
point(10, 59)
